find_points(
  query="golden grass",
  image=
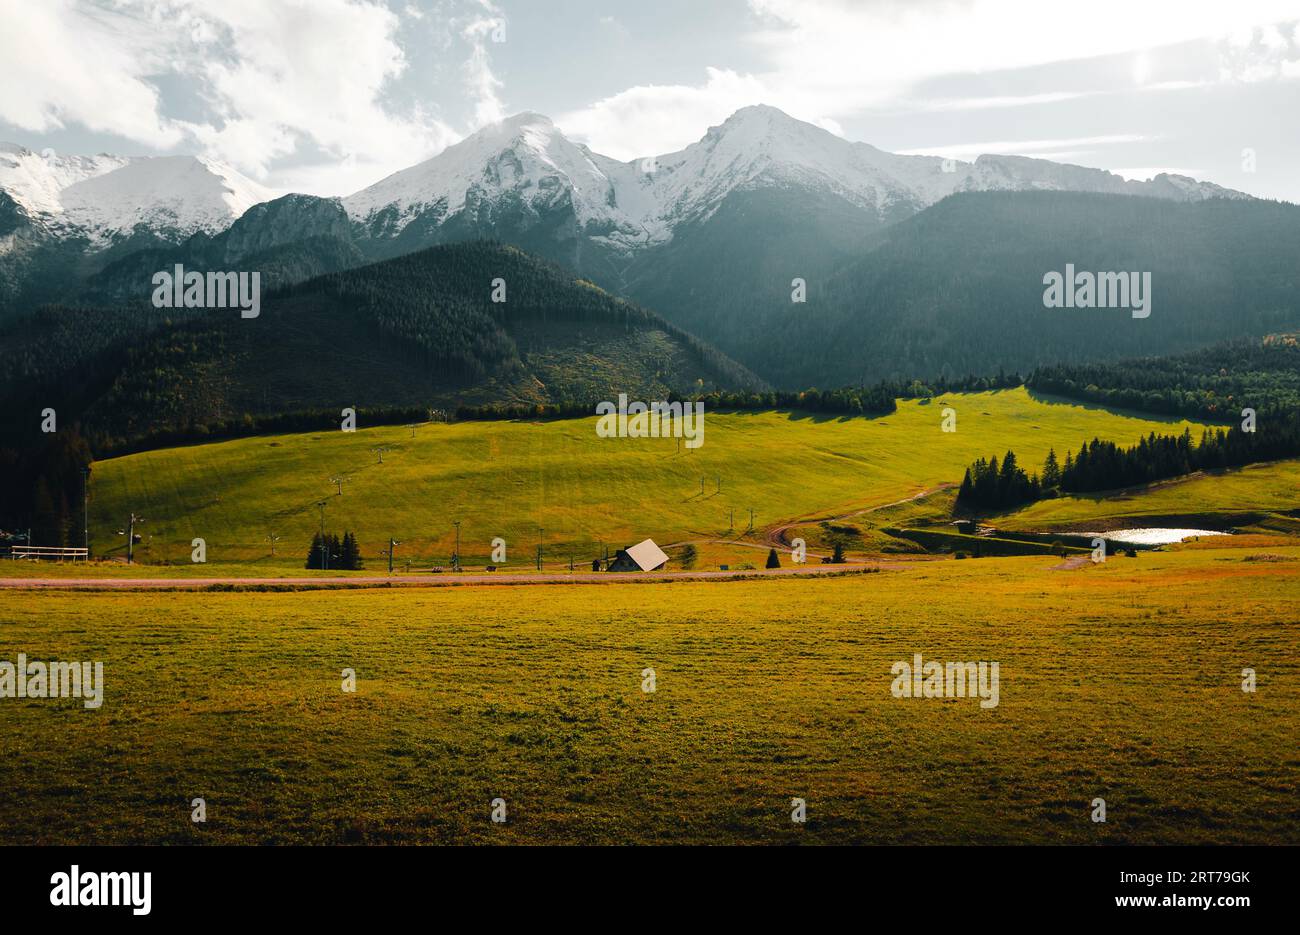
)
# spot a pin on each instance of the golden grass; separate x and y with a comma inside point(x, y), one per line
point(1120, 681)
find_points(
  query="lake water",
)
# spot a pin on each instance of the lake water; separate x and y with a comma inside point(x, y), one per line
point(1153, 535)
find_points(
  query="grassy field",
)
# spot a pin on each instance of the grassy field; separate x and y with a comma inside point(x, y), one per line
point(1120, 681)
point(1254, 494)
point(561, 483)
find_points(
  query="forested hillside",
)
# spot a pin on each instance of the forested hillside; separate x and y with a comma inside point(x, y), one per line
point(1212, 383)
point(958, 288)
point(409, 334)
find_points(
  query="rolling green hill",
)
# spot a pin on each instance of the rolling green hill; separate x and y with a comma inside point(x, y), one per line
point(512, 479)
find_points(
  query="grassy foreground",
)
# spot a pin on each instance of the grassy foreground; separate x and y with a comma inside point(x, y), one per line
point(1120, 681)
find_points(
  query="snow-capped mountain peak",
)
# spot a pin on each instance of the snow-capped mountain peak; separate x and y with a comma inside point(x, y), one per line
point(516, 172)
point(525, 162)
point(35, 180)
point(104, 196)
point(524, 157)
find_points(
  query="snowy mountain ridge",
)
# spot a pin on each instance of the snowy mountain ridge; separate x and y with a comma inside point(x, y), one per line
point(102, 197)
point(527, 167)
point(526, 160)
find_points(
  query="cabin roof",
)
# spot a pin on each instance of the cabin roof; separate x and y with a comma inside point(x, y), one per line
point(647, 555)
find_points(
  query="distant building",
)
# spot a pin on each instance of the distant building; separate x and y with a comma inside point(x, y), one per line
point(644, 556)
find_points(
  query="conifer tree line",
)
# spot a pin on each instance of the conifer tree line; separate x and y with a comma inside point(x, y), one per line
point(989, 485)
point(1103, 465)
point(330, 551)
point(880, 399)
point(1213, 384)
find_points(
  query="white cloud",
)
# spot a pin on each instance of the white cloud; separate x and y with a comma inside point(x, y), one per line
point(276, 79)
point(482, 83)
point(828, 60)
point(312, 73)
point(1249, 56)
point(860, 52)
point(655, 119)
point(988, 103)
point(1040, 149)
point(64, 65)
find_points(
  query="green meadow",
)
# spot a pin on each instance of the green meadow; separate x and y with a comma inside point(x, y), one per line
point(559, 483)
point(1266, 496)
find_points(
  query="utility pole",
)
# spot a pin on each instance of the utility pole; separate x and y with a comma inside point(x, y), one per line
point(751, 520)
point(392, 544)
point(701, 486)
point(455, 556)
point(324, 546)
point(731, 519)
point(718, 478)
point(130, 537)
point(539, 547)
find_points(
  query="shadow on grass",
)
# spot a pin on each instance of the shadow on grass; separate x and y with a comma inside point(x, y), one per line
point(1048, 399)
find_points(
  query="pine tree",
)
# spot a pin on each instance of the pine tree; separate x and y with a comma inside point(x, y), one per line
point(350, 553)
point(334, 548)
point(44, 517)
point(314, 556)
point(1051, 471)
point(773, 560)
point(966, 494)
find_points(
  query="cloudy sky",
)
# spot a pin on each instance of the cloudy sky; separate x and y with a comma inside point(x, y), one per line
point(327, 96)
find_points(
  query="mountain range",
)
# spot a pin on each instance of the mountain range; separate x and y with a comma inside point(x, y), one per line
point(912, 265)
point(526, 165)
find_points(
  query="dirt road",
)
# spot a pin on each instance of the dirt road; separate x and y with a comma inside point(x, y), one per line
point(418, 580)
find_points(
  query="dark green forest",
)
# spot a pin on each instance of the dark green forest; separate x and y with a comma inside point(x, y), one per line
point(406, 338)
point(1213, 384)
point(393, 340)
point(1103, 465)
point(958, 289)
